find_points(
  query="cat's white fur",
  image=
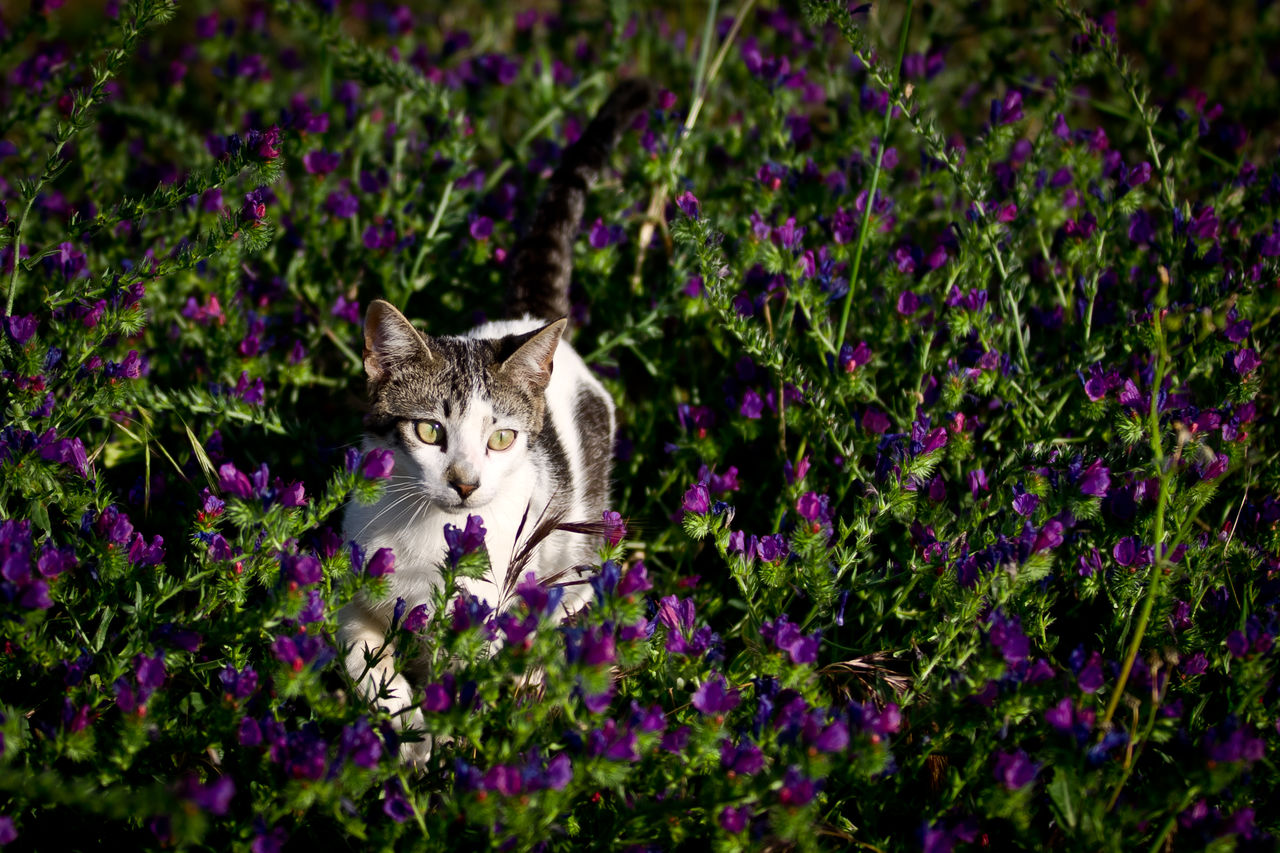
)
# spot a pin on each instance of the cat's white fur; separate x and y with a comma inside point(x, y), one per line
point(414, 529)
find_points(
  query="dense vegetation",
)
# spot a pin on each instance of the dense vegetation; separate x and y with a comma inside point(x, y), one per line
point(947, 481)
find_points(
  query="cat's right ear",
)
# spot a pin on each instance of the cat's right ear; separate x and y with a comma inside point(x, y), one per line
point(390, 340)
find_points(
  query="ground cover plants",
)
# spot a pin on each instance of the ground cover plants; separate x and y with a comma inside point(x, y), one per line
point(944, 345)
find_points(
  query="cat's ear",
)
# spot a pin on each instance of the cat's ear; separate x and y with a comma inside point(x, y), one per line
point(530, 355)
point(390, 340)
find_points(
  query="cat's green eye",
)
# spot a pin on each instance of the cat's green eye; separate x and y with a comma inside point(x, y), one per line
point(429, 432)
point(502, 439)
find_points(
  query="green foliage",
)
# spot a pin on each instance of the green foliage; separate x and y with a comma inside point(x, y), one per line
point(943, 343)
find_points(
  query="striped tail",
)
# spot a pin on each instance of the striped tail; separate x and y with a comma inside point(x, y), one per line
point(543, 262)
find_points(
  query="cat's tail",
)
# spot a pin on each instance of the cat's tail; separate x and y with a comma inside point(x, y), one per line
point(543, 260)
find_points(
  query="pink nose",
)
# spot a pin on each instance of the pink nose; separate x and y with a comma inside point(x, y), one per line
point(464, 490)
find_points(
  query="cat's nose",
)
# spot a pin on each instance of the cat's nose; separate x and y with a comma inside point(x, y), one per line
point(464, 490)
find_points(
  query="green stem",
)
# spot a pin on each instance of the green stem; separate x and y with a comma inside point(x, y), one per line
point(1160, 560)
point(875, 180)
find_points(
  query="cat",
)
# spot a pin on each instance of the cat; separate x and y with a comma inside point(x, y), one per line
point(505, 422)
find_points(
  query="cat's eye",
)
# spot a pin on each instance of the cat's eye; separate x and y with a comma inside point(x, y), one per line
point(502, 439)
point(429, 432)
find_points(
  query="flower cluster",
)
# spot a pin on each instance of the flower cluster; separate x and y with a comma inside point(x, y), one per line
point(945, 507)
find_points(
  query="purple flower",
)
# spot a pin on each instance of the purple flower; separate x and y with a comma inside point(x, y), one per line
point(1048, 537)
point(559, 772)
point(833, 738)
point(1246, 361)
point(688, 204)
point(786, 636)
point(541, 600)
point(416, 618)
point(465, 541)
point(908, 303)
point(1204, 224)
point(346, 309)
point(292, 495)
point(814, 507)
point(320, 162)
point(239, 685)
point(378, 464)
point(394, 803)
point(1090, 678)
point(1233, 743)
point(361, 743)
point(615, 526)
point(752, 406)
point(150, 671)
point(1007, 636)
point(876, 421)
point(851, 358)
point(1139, 174)
point(379, 235)
point(302, 569)
point(269, 143)
point(437, 698)
point(1007, 110)
point(1126, 551)
point(1197, 664)
point(797, 790)
point(1096, 479)
point(480, 227)
point(21, 328)
point(1025, 504)
point(1015, 770)
point(383, 562)
point(734, 820)
point(214, 797)
point(697, 500)
point(53, 561)
point(254, 207)
point(341, 204)
point(714, 696)
point(250, 733)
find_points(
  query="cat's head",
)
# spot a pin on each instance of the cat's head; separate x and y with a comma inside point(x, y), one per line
point(459, 413)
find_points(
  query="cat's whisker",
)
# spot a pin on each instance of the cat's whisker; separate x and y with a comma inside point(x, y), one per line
point(384, 511)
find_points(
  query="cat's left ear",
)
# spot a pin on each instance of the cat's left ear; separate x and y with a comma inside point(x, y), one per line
point(531, 354)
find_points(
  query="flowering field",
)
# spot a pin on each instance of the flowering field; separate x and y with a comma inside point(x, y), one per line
point(946, 485)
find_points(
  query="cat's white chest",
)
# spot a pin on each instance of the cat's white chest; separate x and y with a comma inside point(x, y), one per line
point(415, 534)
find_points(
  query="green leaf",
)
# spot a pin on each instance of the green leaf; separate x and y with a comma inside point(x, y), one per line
point(1065, 800)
